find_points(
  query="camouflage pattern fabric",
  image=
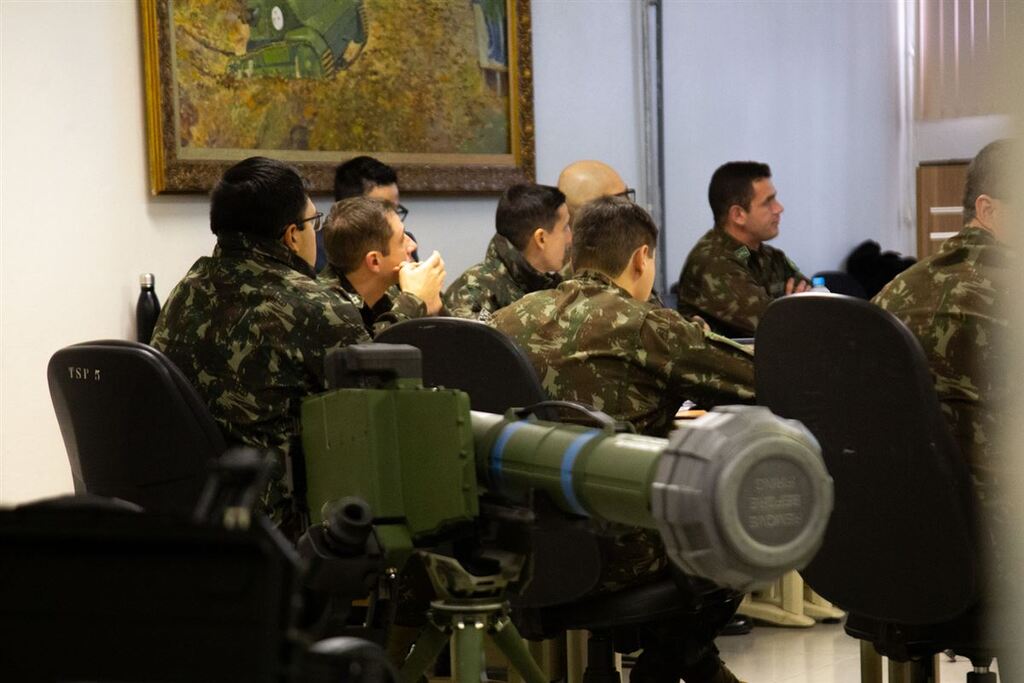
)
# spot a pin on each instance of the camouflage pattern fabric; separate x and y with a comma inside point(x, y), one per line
point(953, 302)
point(730, 286)
point(394, 307)
point(593, 343)
point(248, 326)
point(502, 278)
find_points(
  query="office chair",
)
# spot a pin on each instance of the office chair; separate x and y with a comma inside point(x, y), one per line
point(901, 553)
point(133, 426)
point(473, 357)
point(95, 589)
point(497, 375)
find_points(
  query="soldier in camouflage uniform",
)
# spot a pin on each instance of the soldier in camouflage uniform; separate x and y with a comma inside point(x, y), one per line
point(596, 340)
point(249, 325)
point(731, 275)
point(365, 239)
point(954, 304)
point(365, 176)
point(530, 248)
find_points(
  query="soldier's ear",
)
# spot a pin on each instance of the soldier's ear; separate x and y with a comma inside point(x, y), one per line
point(983, 208)
point(737, 214)
point(290, 238)
point(372, 260)
point(639, 260)
point(539, 237)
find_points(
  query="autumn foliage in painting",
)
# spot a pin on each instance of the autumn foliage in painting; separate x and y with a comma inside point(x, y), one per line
point(416, 87)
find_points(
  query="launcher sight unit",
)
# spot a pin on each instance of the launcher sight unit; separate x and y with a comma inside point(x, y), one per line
point(739, 496)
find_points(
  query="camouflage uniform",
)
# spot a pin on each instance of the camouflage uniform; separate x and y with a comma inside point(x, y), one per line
point(953, 303)
point(593, 343)
point(502, 278)
point(394, 307)
point(248, 327)
point(730, 286)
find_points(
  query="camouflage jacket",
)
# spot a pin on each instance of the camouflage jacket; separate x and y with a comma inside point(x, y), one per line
point(730, 286)
point(502, 278)
point(953, 303)
point(248, 326)
point(593, 343)
point(394, 307)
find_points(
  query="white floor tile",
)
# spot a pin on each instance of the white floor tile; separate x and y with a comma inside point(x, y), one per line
point(820, 654)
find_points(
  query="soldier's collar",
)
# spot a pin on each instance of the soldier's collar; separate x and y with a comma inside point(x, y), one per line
point(977, 233)
point(245, 245)
point(350, 289)
point(733, 245)
point(525, 275)
point(590, 275)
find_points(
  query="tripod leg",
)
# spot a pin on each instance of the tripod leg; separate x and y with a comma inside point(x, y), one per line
point(506, 637)
point(430, 643)
point(469, 649)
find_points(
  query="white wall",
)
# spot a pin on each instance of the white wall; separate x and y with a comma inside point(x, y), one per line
point(808, 87)
point(957, 138)
point(77, 223)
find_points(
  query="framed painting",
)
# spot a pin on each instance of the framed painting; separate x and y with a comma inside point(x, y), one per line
point(440, 89)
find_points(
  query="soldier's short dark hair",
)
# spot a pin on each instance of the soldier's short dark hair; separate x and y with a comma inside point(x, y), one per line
point(355, 227)
point(359, 175)
point(733, 184)
point(525, 207)
point(259, 196)
point(989, 173)
point(606, 232)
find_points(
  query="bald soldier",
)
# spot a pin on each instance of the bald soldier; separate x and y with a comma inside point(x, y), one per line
point(586, 180)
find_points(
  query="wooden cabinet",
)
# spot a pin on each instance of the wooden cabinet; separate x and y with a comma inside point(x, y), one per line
point(940, 193)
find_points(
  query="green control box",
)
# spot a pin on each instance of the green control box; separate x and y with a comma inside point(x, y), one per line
point(408, 452)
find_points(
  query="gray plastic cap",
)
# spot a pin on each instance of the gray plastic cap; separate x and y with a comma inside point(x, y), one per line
point(741, 496)
point(146, 279)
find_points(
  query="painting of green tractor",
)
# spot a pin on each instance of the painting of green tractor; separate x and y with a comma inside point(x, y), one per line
point(301, 38)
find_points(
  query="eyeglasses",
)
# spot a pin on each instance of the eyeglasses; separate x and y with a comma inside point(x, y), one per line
point(401, 211)
point(629, 193)
point(318, 219)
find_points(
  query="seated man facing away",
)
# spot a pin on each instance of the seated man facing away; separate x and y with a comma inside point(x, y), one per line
point(365, 176)
point(530, 247)
point(365, 243)
point(731, 275)
point(597, 340)
point(586, 180)
point(249, 325)
point(955, 303)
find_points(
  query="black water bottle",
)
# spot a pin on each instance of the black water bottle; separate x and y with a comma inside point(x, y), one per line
point(147, 310)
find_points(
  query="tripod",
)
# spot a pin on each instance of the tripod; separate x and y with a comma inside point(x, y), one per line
point(469, 607)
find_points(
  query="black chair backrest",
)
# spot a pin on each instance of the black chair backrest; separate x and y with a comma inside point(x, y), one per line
point(900, 545)
point(133, 426)
point(94, 593)
point(839, 282)
point(471, 356)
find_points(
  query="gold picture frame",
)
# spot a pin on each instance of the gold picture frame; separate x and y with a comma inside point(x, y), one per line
point(458, 100)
